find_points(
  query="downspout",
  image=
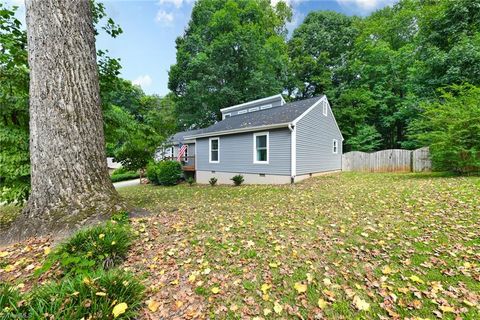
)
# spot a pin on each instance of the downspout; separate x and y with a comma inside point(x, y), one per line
point(293, 152)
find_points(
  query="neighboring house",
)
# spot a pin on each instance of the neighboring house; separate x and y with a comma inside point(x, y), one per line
point(112, 165)
point(266, 141)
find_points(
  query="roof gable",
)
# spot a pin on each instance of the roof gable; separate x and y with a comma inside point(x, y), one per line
point(279, 116)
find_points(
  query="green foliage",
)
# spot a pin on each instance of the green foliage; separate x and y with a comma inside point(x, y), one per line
point(451, 127)
point(92, 296)
point(9, 300)
point(14, 153)
point(213, 181)
point(190, 181)
point(129, 175)
point(101, 246)
point(367, 139)
point(231, 52)
point(238, 179)
point(166, 173)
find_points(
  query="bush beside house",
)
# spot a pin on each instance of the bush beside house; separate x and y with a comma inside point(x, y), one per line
point(165, 173)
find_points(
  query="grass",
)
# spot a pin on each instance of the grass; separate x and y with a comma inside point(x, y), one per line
point(99, 247)
point(8, 213)
point(395, 245)
point(362, 246)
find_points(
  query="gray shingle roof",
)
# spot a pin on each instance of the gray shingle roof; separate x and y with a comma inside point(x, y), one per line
point(180, 136)
point(277, 115)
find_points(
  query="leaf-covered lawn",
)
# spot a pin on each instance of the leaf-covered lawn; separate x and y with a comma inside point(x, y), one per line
point(339, 246)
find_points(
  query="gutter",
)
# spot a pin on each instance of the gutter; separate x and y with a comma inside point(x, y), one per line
point(293, 152)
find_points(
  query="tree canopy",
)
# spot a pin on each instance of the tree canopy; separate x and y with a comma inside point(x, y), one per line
point(231, 52)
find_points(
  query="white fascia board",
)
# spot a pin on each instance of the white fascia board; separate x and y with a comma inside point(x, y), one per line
point(253, 102)
point(240, 130)
point(324, 98)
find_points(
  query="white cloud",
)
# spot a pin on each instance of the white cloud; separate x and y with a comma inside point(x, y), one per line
point(366, 5)
point(143, 81)
point(164, 17)
point(176, 3)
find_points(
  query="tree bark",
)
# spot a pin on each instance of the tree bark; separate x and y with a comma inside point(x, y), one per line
point(70, 185)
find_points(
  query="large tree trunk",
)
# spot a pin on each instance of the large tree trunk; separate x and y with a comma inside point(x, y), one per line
point(69, 175)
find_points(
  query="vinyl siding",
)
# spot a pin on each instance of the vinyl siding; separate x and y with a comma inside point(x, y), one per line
point(315, 134)
point(236, 154)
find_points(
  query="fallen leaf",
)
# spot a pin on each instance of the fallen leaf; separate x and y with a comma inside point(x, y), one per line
point(322, 303)
point(361, 304)
point(119, 309)
point(447, 309)
point(386, 269)
point(416, 279)
point(153, 305)
point(301, 288)
point(277, 308)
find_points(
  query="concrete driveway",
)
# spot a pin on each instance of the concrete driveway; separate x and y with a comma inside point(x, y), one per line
point(127, 183)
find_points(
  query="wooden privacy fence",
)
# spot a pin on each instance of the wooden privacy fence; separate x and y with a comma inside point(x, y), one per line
point(392, 160)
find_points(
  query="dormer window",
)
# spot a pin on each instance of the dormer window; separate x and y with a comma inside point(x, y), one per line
point(227, 115)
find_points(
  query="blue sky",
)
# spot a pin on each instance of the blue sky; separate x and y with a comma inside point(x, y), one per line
point(147, 46)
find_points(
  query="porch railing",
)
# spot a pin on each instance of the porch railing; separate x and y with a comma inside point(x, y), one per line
point(188, 163)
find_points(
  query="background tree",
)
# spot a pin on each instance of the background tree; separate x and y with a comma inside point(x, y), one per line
point(451, 127)
point(231, 52)
point(14, 156)
point(69, 178)
point(124, 105)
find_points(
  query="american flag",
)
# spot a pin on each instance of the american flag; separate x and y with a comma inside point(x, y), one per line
point(181, 152)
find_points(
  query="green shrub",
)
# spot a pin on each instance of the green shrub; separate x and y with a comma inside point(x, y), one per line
point(120, 170)
point(212, 181)
point(87, 297)
point(129, 175)
point(190, 181)
point(9, 298)
point(238, 179)
point(166, 173)
point(101, 246)
point(451, 127)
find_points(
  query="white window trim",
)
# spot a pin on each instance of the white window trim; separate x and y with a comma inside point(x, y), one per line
point(210, 150)
point(267, 106)
point(335, 146)
point(255, 134)
point(253, 109)
point(227, 115)
point(242, 111)
point(325, 108)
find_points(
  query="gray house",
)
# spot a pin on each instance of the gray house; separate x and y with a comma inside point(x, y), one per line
point(266, 141)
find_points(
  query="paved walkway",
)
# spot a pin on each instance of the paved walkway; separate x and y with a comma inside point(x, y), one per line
point(127, 183)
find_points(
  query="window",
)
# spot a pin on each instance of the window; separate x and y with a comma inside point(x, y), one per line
point(260, 147)
point(253, 109)
point(214, 155)
point(227, 115)
point(325, 108)
point(335, 146)
point(267, 106)
point(242, 111)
